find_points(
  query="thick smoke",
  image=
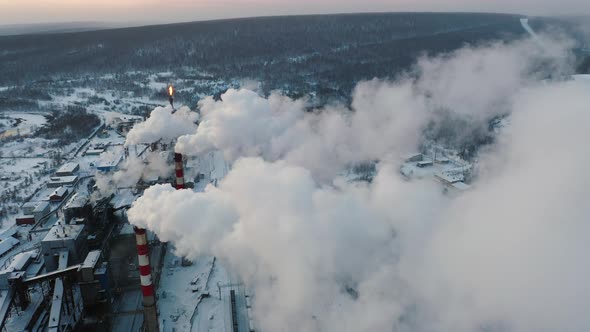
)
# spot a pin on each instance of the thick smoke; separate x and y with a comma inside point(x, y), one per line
point(164, 125)
point(132, 170)
point(323, 254)
point(384, 118)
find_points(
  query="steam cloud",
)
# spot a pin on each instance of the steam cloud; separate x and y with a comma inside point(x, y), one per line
point(163, 124)
point(323, 254)
point(131, 171)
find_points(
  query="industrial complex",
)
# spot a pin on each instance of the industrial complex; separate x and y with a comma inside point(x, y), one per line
point(72, 262)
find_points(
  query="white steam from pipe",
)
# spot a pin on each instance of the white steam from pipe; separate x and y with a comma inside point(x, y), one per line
point(163, 124)
point(323, 254)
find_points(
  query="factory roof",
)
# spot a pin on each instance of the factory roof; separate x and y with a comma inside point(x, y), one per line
point(56, 304)
point(41, 207)
point(19, 262)
point(7, 244)
point(123, 198)
point(8, 233)
point(77, 201)
point(109, 160)
point(95, 151)
point(450, 176)
point(63, 232)
point(70, 179)
point(68, 168)
point(29, 206)
point(92, 258)
point(59, 193)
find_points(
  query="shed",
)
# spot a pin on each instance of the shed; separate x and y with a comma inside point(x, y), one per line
point(25, 219)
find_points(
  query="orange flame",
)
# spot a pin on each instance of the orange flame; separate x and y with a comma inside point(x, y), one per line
point(170, 90)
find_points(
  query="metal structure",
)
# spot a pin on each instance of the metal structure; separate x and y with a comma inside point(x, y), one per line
point(171, 97)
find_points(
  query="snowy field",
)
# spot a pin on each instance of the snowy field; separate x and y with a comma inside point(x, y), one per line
point(15, 124)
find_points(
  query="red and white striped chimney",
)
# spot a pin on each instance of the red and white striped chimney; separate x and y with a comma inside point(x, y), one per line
point(179, 171)
point(145, 276)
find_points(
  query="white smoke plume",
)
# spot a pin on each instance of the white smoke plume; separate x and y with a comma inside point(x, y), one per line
point(163, 124)
point(132, 170)
point(385, 118)
point(393, 255)
point(389, 116)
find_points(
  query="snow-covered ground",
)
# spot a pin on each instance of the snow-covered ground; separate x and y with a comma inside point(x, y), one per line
point(18, 123)
point(186, 294)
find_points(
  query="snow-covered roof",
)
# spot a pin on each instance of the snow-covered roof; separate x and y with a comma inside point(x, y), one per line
point(7, 244)
point(63, 232)
point(41, 207)
point(77, 201)
point(29, 207)
point(19, 262)
point(56, 304)
point(94, 151)
point(68, 168)
point(124, 197)
point(450, 177)
point(91, 258)
point(8, 233)
point(108, 160)
point(56, 180)
point(59, 192)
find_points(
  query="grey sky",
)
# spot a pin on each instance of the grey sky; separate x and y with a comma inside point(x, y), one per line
point(146, 11)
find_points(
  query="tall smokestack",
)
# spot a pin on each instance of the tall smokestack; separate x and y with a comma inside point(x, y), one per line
point(150, 313)
point(179, 171)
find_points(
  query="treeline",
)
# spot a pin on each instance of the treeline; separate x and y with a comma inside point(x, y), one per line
point(70, 125)
point(334, 50)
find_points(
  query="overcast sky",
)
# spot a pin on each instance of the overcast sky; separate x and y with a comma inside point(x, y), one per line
point(154, 11)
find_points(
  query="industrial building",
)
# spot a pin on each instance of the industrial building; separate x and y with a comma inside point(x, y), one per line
point(60, 181)
point(78, 206)
point(80, 266)
point(450, 172)
point(109, 163)
point(61, 237)
point(59, 194)
point(41, 210)
point(68, 169)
